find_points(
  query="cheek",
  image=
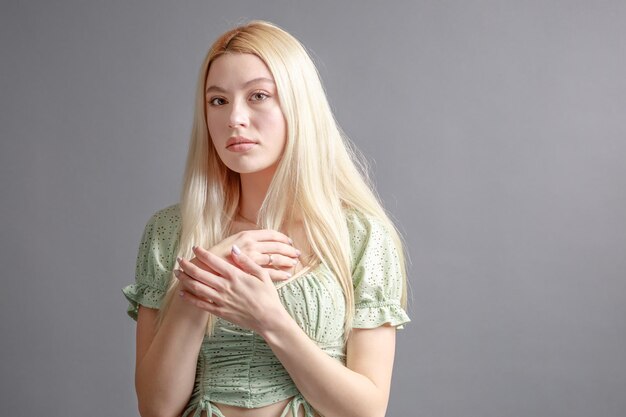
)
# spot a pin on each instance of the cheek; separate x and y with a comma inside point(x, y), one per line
point(275, 122)
point(213, 124)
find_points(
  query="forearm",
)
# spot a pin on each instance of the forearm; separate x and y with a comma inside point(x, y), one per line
point(165, 375)
point(329, 386)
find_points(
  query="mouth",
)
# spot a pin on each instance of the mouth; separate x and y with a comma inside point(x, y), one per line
point(238, 140)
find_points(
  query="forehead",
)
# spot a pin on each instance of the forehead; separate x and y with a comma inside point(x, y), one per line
point(233, 69)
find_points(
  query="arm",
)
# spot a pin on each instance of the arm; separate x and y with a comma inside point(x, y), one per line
point(247, 297)
point(166, 360)
point(359, 389)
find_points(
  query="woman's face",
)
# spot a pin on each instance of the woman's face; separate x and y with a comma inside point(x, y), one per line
point(243, 112)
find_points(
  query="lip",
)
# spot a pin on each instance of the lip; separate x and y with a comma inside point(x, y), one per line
point(239, 142)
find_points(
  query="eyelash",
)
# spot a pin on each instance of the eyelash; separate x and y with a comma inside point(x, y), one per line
point(212, 100)
point(260, 93)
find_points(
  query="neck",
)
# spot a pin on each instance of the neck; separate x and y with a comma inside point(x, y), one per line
point(253, 191)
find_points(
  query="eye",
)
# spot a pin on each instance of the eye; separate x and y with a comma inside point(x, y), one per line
point(259, 96)
point(217, 101)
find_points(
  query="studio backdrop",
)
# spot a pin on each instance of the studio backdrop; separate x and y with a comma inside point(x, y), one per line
point(496, 136)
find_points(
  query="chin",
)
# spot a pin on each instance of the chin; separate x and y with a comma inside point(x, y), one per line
point(250, 169)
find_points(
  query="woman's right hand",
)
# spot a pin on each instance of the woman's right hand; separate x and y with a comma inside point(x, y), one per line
point(269, 249)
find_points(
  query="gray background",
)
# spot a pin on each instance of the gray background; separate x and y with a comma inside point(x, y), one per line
point(497, 138)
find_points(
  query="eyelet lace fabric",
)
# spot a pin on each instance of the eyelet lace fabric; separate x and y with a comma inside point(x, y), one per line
point(235, 365)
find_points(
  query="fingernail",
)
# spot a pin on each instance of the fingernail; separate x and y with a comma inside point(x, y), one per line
point(194, 247)
point(295, 262)
point(298, 252)
point(177, 272)
point(236, 250)
point(181, 293)
point(288, 275)
point(291, 242)
point(179, 259)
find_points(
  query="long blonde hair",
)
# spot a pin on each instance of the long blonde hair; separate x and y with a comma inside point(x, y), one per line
point(319, 176)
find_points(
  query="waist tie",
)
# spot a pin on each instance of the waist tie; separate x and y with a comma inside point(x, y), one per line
point(204, 405)
point(295, 403)
point(211, 409)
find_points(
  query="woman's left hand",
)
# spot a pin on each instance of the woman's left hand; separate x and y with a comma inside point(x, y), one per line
point(243, 294)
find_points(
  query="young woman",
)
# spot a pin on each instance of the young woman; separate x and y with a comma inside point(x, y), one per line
point(275, 287)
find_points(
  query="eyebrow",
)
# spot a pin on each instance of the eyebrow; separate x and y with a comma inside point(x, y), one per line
point(246, 84)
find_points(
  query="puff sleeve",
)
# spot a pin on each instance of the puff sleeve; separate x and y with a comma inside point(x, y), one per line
point(156, 258)
point(376, 275)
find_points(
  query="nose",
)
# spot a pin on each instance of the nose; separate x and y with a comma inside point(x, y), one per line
point(239, 116)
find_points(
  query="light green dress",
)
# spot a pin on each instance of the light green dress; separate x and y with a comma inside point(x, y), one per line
point(235, 365)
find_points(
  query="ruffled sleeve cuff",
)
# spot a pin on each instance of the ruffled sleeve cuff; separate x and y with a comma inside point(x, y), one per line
point(372, 315)
point(142, 294)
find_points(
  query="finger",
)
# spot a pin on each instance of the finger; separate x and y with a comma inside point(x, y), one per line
point(201, 275)
point(202, 258)
point(266, 235)
point(202, 304)
point(278, 247)
point(197, 288)
point(280, 261)
point(278, 275)
point(219, 265)
point(246, 264)
point(200, 264)
point(277, 262)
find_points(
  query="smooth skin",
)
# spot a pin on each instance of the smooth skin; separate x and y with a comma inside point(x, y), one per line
point(242, 102)
point(259, 245)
